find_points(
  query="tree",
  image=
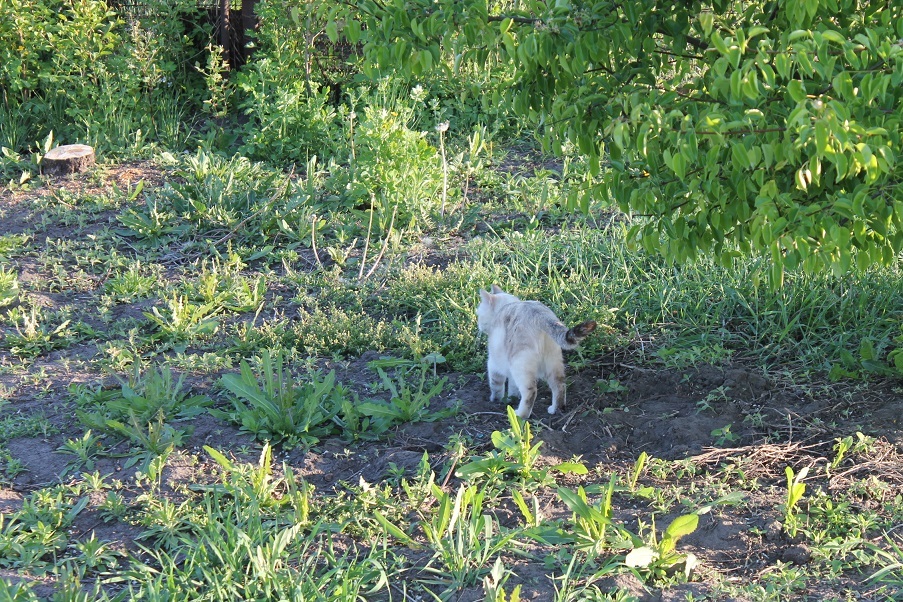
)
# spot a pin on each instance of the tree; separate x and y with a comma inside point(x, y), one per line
point(769, 127)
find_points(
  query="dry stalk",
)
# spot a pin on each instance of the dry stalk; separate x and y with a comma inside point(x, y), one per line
point(382, 251)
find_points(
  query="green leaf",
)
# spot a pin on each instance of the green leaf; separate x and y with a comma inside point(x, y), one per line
point(570, 468)
point(529, 517)
point(833, 36)
point(706, 20)
point(740, 156)
point(796, 90)
point(821, 137)
point(681, 526)
point(394, 531)
point(379, 410)
point(220, 458)
point(332, 32)
point(719, 43)
point(867, 351)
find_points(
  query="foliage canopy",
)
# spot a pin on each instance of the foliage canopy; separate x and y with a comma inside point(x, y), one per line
point(765, 126)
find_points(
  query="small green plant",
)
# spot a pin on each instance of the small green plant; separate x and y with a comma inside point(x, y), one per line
point(594, 531)
point(153, 225)
point(221, 286)
point(724, 435)
point(795, 491)
point(156, 391)
point(611, 385)
point(182, 321)
point(464, 538)
point(152, 443)
point(33, 537)
point(11, 161)
point(85, 449)
point(841, 447)
point(891, 563)
point(638, 467)
point(165, 522)
point(95, 555)
point(9, 286)
point(37, 333)
point(869, 360)
point(132, 284)
point(155, 394)
point(406, 403)
point(354, 425)
point(273, 407)
point(693, 355)
point(712, 398)
point(494, 584)
point(516, 455)
point(12, 245)
point(114, 507)
point(659, 557)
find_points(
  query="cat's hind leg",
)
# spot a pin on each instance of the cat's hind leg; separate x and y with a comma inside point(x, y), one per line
point(559, 390)
point(525, 382)
point(513, 391)
point(496, 386)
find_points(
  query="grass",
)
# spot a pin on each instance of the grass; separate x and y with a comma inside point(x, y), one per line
point(236, 294)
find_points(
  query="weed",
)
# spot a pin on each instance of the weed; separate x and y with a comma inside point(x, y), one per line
point(222, 287)
point(659, 557)
point(724, 435)
point(494, 584)
point(406, 404)
point(152, 443)
point(37, 332)
point(464, 538)
point(795, 491)
point(182, 322)
point(712, 398)
point(611, 385)
point(166, 522)
point(84, 449)
point(153, 225)
point(135, 283)
point(9, 286)
point(12, 245)
point(95, 555)
point(273, 407)
point(144, 398)
point(32, 538)
point(516, 455)
point(890, 562)
point(114, 507)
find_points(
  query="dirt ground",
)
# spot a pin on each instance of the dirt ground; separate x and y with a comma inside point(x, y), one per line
point(658, 412)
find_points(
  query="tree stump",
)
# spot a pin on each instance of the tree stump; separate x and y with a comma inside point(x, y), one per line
point(67, 159)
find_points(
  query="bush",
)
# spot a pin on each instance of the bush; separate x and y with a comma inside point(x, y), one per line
point(78, 69)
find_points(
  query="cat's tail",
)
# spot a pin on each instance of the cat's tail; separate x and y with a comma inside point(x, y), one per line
point(569, 338)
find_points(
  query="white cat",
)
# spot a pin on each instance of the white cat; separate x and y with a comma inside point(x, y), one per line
point(525, 343)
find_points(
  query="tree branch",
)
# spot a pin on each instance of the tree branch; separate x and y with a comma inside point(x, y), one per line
point(515, 19)
point(741, 132)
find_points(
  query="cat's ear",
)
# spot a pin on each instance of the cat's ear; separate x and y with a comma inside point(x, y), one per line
point(485, 296)
point(496, 290)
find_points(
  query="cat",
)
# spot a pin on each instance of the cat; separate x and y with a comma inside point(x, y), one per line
point(525, 343)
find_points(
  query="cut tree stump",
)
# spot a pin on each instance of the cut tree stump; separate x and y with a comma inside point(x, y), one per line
point(69, 158)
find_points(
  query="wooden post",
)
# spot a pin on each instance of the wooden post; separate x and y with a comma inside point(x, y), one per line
point(225, 32)
point(248, 23)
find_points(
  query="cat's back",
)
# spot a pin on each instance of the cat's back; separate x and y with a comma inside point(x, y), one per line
point(527, 313)
point(525, 321)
